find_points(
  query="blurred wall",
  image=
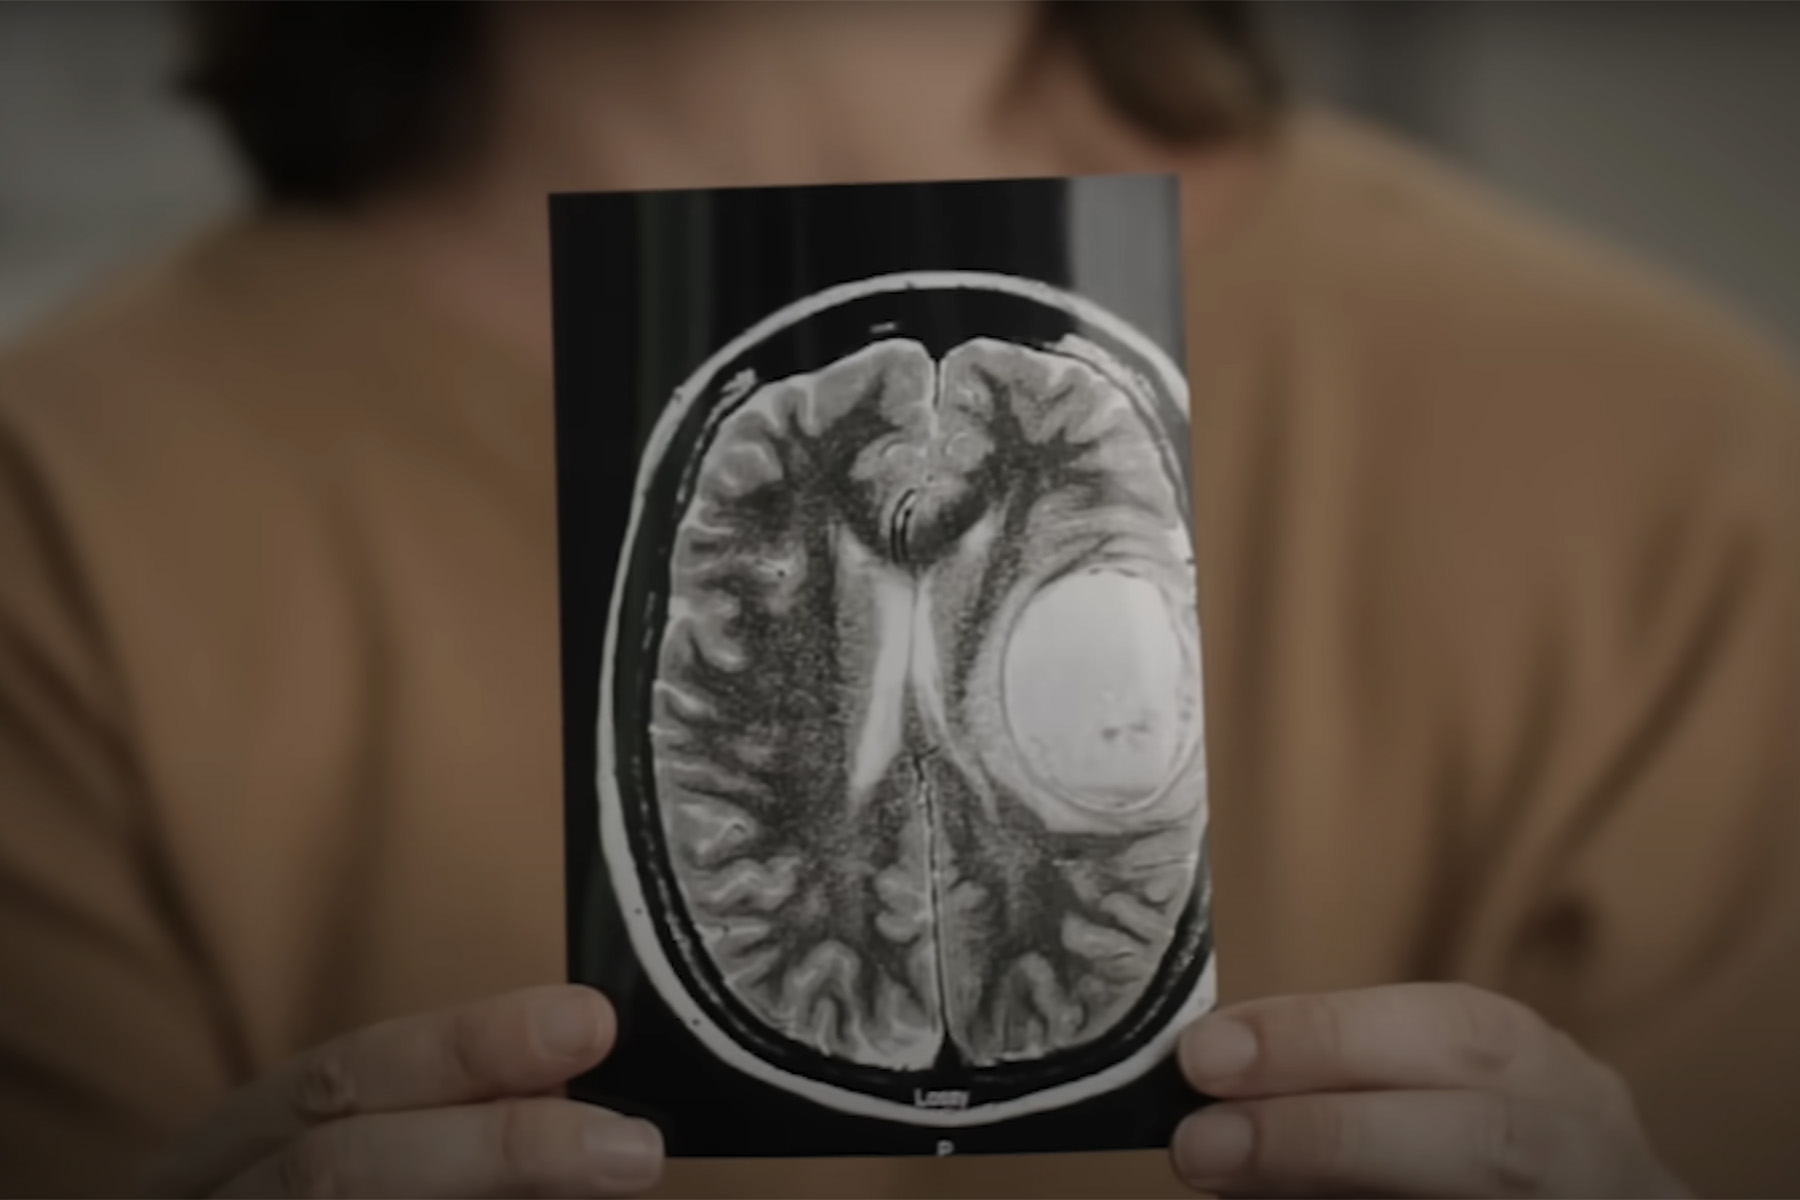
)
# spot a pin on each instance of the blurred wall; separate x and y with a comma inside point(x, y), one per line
point(1674, 127)
point(1670, 127)
point(98, 163)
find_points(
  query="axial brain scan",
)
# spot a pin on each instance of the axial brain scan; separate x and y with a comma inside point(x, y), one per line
point(903, 776)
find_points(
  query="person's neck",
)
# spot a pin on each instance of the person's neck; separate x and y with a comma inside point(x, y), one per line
point(629, 96)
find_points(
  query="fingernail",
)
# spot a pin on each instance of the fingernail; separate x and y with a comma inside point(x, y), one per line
point(1213, 1145)
point(626, 1151)
point(1218, 1049)
point(568, 1027)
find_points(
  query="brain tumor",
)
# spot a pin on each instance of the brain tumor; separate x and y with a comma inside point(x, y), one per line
point(1099, 688)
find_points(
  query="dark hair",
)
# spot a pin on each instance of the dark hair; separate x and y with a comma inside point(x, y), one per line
point(332, 102)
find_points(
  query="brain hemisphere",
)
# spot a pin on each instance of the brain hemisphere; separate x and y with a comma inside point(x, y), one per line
point(762, 689)
point(1079, 698)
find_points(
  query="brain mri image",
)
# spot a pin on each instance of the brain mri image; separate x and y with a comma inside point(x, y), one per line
point(901, 765)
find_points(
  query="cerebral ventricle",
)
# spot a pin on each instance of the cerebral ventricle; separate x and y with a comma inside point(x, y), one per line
point(1097, 685)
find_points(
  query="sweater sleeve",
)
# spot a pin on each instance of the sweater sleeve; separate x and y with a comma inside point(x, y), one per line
point(106, 1038)
point(1665, 925)
point(1694, 876)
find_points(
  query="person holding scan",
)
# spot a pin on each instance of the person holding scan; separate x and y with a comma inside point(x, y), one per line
point(1498, 545)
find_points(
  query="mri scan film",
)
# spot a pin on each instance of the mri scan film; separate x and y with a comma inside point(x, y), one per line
point(885, 736)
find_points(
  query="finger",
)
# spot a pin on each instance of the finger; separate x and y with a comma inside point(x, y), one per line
point(1418, 1036)
point(520, 1044)
point(1470, 1144)
point(536, 1147)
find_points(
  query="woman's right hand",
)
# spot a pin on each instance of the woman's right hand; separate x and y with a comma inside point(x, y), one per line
point(460, 1103)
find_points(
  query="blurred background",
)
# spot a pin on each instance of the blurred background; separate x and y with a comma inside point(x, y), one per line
point(1670, 127)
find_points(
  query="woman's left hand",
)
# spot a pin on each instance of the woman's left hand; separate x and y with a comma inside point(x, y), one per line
point(1407, 1090)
